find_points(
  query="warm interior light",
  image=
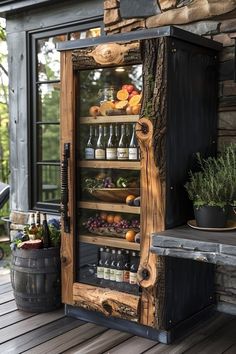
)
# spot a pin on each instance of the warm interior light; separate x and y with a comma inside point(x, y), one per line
point(120, 69)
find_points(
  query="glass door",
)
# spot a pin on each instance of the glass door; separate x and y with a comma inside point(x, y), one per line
point(108, 177)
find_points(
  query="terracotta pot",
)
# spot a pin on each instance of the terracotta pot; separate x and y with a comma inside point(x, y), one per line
point(211, 216)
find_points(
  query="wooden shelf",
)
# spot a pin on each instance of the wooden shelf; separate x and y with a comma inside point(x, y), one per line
point(109, 119)
point(119, 207)
point(109, 242)
point(123, 165)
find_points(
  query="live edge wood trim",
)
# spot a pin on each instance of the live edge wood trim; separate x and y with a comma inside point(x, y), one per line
point(106, 301)
point(67, 109)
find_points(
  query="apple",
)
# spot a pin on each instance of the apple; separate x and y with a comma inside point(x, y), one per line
point(124, 87)
point(130, 88)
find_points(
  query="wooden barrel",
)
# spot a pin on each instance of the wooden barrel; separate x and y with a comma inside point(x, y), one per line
point(35, 278)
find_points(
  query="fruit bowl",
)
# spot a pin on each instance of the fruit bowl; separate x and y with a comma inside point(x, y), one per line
point(115, 195)
point(111, 231)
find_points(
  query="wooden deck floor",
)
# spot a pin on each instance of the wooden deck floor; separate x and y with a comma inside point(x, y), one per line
point(52, 333)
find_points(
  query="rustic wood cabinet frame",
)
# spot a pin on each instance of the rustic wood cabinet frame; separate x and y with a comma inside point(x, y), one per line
point(178, 117)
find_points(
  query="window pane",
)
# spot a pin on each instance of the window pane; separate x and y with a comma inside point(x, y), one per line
point(49, 58)
point(92, 32)
point(48, 142)
point(48, 102)
point(48, 184)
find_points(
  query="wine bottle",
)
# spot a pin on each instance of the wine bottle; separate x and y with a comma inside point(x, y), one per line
point(100, 265)
point(89, 149)
point(100, 146)
point(106, 274)
point(45, 232)
point(133, 146)
point(127, 266)
point(111, 149)
point(127, 132)
point(113, 265)
point(134, 262)
point(122, 150)
point(105, 135)
point(120, 267)
point(32, 229)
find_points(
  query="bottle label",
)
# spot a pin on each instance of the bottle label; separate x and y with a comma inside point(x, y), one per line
point(100, 154)
point(126, 276)
point(106, 273)
point(122, 153)
point(89, 154)
point(119, 275)
point(112, 274)
point(133, 154)
point(132, 278)
point(111, 153)
point(100, 272)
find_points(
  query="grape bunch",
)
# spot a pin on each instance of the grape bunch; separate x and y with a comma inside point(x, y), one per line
point(96, 222)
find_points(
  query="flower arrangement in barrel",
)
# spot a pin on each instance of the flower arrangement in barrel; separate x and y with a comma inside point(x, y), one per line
point(38, 233)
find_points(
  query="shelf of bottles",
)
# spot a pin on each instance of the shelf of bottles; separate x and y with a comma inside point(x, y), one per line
point(108, 193)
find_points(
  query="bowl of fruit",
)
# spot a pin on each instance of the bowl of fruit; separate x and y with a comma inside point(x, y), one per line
point(127, 102)
point(108, 224)
point(111, 190)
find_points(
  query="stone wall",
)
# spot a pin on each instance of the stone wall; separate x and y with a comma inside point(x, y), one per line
point(219, 28)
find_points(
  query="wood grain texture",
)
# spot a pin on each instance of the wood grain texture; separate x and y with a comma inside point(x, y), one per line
point(67, 110)
point(107, 54)
point(106, 301)
point(194, 11)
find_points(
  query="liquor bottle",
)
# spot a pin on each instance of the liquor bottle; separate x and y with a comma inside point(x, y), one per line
point(100, 146)
point(122, 150)
point(120, 267)
point(133, 146)
point(126, 266)
point(113, 266)
point(106, 274)
point(134, 262)
point(32, 229)
point(89, 149)
point(111, 148)
point(45, 232)
point(100, 265)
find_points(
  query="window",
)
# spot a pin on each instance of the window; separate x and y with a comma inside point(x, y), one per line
point(45, 113)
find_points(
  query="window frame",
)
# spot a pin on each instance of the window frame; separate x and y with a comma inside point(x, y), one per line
point(32, 107)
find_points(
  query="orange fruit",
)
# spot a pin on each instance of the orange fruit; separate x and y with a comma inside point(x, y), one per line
point(130, 235)
point(122, 95)
point(121, 104)
point(136, 109)
point(106, 106)
point(129, 199)
point(135, 100)
point(129, 110)
point(110, 219)
point(103, 215)
point(117, 218)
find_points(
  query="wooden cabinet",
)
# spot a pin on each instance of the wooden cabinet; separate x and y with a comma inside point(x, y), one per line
point(176, 73)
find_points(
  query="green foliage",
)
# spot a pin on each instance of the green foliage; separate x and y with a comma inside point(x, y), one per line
point(215, 184)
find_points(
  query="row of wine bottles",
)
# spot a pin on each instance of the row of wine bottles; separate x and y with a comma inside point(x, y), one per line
point(118, 265)
point(119, 144)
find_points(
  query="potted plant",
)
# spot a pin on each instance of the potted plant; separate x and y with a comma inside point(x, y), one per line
point(213, 188)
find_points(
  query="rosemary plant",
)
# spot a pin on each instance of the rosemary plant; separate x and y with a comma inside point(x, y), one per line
point(215, 184)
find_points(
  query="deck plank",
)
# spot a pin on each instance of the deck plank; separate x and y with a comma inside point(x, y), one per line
point(221, 340)
point(198, 333)
point(8, 307)
point(67, 340)
point(29, 324)
point(6, 297)
point(4, 288)
point(14, 317)
point(134, 344)
point(101, 343)
point(40, 335)
point(5, 278)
